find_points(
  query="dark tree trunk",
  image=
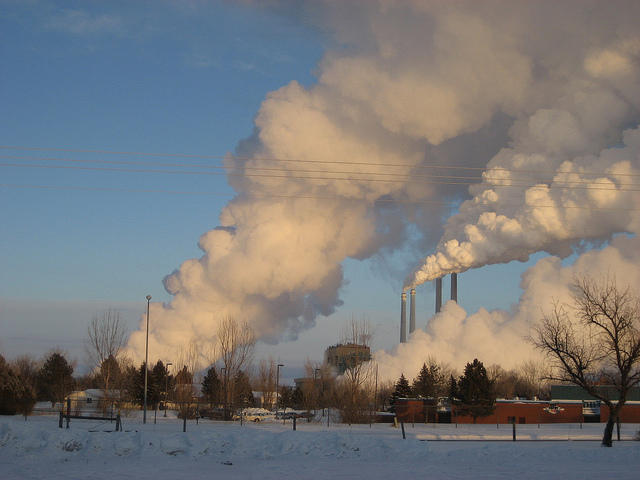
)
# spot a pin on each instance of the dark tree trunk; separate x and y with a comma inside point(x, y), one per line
point(614, 415)
point(607, 438)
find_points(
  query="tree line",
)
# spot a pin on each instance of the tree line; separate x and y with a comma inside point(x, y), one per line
point(591, 341)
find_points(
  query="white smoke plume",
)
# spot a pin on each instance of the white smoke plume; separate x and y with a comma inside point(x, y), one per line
point(505, 222)
point(500, 337)
point(409, 84)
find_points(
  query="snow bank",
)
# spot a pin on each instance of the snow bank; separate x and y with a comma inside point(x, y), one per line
point(38, 449)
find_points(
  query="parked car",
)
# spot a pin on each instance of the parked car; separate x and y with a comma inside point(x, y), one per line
point(254, 415)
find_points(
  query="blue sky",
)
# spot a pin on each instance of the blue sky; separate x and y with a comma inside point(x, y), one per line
point(155, 77)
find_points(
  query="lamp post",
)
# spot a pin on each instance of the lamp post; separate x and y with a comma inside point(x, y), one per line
point(146, 364)
point(315, 389)
point(224, 381)
point(166, 388)
point(277, 384)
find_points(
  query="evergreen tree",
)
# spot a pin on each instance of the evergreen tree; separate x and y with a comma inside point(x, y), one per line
point(131, 383)
point(212, 386)
point(285, 399)
point(184, 377)
point(16, 394)
point(475, 392)
point(109, 376)
point(428, 383)
point(453, 389)
point(402, 390)
point(242, 392)
point(297, 398)
point(136, 387)
point(55, 379)
point(157, 380)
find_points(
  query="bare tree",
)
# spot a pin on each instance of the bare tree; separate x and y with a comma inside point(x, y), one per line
point(106, 336)
point(187, 365)
point(266, 382)
point(358, 332)
point(534, 374)
point(595, 341)
point(357, 379)
point(236, 341)
point(27, 367)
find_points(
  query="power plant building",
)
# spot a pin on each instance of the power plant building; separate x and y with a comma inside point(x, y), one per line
point(412, 305)
point(347, 355)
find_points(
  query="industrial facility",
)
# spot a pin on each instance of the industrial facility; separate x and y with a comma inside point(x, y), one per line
point(412, 305)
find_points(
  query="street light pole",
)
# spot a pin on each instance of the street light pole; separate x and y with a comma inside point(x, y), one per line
point(166, 388)
point(224, 381)
point(146, 364)
point(315, 389)
point(277, 385)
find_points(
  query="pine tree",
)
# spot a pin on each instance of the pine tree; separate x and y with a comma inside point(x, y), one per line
point(242, 392)
point(475, 392)
point(297, 398)
point(55, 379)
point(402, 390)
point(285, 398)
point(453, 389)
point(212, 386)
point(428, 383)
point(16, 394)
point(135, 385)
point(109, 374)
point(158, 378)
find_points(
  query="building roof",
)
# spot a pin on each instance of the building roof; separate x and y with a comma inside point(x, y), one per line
point(573, 392)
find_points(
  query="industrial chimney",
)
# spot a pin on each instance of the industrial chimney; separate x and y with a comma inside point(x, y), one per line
point(454, 287)
point(412, 311)
point(403, 318)
point(438, 295)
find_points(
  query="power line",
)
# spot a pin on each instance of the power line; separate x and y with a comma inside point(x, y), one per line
point(472, 179)
point(314, 197)
point(408, 179)
point(294, 160)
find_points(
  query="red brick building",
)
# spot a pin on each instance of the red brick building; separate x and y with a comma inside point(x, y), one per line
point(416, 410)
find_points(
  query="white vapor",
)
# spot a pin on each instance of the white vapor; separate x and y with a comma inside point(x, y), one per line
point(409, 84)
point(501, 337)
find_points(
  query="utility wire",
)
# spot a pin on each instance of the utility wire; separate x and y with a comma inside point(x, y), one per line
point(401, 176)
point(315, 197)
point(290, 160)
point(409, 179)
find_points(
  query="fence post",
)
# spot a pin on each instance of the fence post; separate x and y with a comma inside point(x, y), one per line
point(402, 426)
point(294, 421)
point(184, 422)
point(514, 430)
point(118, 423)
point(68, 411)
point(60, 420)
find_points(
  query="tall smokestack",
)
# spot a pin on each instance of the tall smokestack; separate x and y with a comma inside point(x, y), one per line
point(412, 311)
point(403, 318)
point(438, 294)
point(454, 287)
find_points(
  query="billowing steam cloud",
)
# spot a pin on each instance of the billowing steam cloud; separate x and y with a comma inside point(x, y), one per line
point(414, 84)
point(500, 336)
point(505, 221)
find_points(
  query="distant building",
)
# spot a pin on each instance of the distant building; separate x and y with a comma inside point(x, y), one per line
point(574, 392)
point(347, 355)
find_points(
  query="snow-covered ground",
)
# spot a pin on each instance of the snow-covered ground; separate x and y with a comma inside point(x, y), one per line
point(38, 449)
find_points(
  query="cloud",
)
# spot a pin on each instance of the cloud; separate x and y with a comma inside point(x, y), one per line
point(82, 23)
point(346, 167)
point(456, 337)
